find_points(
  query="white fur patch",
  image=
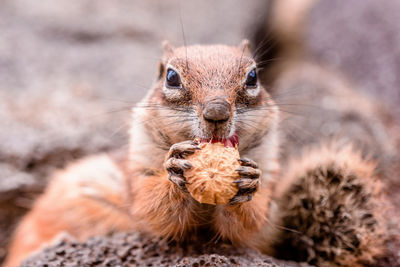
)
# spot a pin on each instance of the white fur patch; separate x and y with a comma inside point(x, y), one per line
point(253, 92)
point(172, 93)
point(142, 150)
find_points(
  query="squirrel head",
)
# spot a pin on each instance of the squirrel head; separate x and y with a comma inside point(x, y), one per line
point(209, 91)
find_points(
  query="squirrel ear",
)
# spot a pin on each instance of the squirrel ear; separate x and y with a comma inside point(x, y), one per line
point(167, 47)
point(245, 47)
point(161, 69)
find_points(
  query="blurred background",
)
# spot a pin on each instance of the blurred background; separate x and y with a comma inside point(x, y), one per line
point(70, 71)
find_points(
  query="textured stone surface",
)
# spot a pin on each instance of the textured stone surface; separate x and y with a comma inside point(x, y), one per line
point(132, 249)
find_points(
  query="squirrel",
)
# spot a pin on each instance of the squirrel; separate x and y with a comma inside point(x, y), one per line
point(324, 208)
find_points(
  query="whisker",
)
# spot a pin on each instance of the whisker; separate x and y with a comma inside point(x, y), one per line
point(271, 44)
point(109, 112)
point(267, 107)
point(240, 60)
point(148, 107)
point(177, 122)
point(119, 129)
point(302, 129)
point(263, 62)
point(172, 116)
point(284, 228)
point(266, 40)
point(295, 104)
point(249, 124)
point(288, 93)
point(113, 99)
point(183, 34)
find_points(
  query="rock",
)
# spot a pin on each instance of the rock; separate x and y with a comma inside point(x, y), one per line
point(133, 249)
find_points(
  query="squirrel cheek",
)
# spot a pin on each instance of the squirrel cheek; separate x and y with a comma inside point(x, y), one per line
point(253, 92)
point(172, 94)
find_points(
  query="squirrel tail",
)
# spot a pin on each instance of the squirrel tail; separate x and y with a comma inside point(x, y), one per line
point(330, 209)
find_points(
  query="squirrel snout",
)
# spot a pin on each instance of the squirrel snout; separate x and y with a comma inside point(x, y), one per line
point(216, 111)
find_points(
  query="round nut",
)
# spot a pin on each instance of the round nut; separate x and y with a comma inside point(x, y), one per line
point(213, 172)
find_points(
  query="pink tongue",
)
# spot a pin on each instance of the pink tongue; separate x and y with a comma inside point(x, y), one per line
point(228, 142)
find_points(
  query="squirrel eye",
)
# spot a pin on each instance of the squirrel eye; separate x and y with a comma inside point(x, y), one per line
point(172, 79)
point(251, 81)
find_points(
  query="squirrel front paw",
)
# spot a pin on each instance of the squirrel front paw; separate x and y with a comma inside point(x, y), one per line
point(176, 162)
point(248, 183)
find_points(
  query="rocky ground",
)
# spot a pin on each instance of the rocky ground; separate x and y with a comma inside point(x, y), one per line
point(71, 70)
point(132, 249)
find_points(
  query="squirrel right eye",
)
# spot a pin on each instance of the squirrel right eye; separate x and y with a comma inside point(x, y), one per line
point(251, 81)
point(172, 79)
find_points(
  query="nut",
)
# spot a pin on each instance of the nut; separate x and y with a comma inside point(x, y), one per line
point(213, 172)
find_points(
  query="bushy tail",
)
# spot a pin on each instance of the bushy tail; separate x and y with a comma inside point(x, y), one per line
point(331, 207)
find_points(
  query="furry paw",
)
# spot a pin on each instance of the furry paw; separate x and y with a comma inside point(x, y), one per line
point(248, 182)
point(176, 162)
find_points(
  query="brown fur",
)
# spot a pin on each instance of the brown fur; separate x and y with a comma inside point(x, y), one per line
point(89, 198)
point(207, 72)
point(85, 199)
point(332, 199)
point(149, 202)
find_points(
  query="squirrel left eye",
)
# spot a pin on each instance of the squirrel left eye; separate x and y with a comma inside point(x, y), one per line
point(173, 80)
point(251, 80)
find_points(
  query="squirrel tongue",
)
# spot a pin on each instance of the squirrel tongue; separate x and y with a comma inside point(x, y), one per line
point(232, 141)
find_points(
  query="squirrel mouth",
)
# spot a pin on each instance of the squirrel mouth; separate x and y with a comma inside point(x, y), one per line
point(232, 141)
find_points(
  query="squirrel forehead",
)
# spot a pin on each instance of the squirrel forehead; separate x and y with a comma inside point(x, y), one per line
point(208, 58)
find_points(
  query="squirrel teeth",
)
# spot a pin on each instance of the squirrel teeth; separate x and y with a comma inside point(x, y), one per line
point(232, 141)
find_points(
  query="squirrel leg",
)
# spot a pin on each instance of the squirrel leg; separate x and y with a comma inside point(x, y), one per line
point(161, 201)
point(163, 208)
point(330, 209)
point(239, 222)
point(246, 213)
point(84, 200)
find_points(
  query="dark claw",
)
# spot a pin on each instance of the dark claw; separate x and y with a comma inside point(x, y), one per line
point(183, 149)
point(196, 142)
point(187, 165)
point(247, 184)
point(179, 181)
point(240, 199)
point(248, 162)
point(249, 172)
point(177, 165)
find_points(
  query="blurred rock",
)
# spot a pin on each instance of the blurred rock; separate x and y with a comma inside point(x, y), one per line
point(362, 40)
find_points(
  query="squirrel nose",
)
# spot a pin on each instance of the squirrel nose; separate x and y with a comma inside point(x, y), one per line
point(217, 110)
